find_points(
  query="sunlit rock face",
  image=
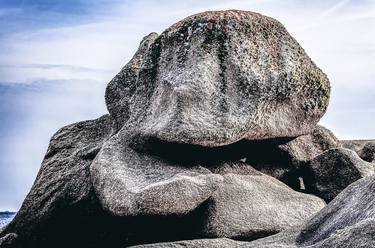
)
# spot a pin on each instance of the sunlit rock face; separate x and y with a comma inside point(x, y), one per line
point(211, 133)
point(218, 77)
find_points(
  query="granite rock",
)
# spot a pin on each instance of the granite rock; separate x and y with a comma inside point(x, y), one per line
point(214, 89)
point(287, 161)
point(346, 222)
point(63, 182)
point(130, 183)
point(332, 171)
point(218, 77)
point(250, 205)
point(367, 153)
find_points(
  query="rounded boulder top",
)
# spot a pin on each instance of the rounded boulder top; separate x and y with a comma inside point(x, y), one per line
point(217, 77)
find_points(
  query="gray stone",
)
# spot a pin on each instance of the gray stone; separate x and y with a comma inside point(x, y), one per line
point(8, 240)
point(332, 171)
point(218, 77)
point(196, 243)
point(250, 205)
point(121, 88)
point(130, 183)
point(367, 153)
point(63, 179)
point(349, 212)
point(346, 222)
point(287, 161)
point(355, 145)
point(306, 147)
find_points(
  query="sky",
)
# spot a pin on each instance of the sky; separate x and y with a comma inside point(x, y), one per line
point(56, 58)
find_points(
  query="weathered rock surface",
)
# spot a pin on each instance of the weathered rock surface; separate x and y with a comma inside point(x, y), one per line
point(306, 147)
point(287, 161)
point(242, 202)
point(367, 153)
point(63, 180)
point(332, 171)
point(197, 243)
point(218, 77)
point(8, 240)
point(249, 205)
point(129, 183)
point(121, 88)
point(355, 145)
point(346, 222)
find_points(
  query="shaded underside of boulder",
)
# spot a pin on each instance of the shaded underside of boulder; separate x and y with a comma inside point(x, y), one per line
point(218, 77)
point(286, 161)
point(131, 183)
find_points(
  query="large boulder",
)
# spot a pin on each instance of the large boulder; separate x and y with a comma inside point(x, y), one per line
point(218, 77)
point(239, 201)
point(332, 171)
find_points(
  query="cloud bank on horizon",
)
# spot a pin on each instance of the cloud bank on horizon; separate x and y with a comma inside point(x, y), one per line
point(57, 56)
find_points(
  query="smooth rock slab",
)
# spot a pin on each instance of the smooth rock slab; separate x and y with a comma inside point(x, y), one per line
point(130, 183)
point(332, 171)
point(251, 205)
point(218, 77)
point(346, 222)
point(196, 243)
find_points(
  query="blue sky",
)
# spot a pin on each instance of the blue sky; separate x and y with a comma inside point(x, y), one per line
point(57, 56)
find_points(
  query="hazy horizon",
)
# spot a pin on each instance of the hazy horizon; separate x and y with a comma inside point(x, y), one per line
point(56, 59)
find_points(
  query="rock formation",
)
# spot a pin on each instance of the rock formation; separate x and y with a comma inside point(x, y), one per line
point(346, 222)
point(211, 141)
